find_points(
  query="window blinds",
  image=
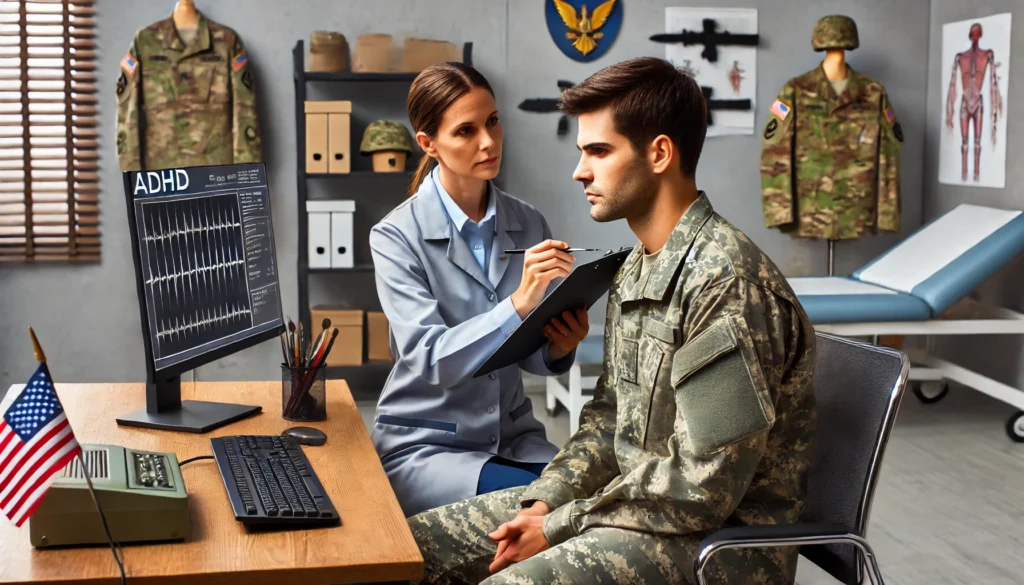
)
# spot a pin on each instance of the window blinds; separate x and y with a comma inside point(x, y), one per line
point(49, 189)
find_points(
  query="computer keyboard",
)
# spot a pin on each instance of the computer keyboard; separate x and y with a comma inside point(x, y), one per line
point(270, 482)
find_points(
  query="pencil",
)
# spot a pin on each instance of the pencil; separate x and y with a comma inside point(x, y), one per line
point(562, 249)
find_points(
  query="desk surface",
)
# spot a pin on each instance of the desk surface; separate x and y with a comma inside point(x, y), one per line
point(373, 542)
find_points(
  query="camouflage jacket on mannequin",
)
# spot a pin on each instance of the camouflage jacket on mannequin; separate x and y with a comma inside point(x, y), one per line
point(831, 150)
point(186, 103)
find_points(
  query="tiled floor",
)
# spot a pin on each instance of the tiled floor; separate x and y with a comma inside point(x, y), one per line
point(948, 509)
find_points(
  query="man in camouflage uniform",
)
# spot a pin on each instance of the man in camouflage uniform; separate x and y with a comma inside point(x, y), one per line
point(831, 154)
point(181, 105)
point(703, 416)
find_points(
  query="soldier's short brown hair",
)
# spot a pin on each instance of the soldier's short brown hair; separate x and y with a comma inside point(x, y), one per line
point(648, 97)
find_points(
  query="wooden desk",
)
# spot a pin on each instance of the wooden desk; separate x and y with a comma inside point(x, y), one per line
point(373, 543)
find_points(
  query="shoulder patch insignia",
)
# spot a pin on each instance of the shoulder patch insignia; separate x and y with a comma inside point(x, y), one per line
point(239, 61)
point(247, 80)
point(890, 114)
point(770, 129)
point(129, 64)
point(780, 109)
point(122, 83)
point(897, 130)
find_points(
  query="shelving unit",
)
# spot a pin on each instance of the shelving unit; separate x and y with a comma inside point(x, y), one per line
point(366, 379)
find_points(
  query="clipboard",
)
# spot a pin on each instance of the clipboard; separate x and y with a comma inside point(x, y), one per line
point(581, 289)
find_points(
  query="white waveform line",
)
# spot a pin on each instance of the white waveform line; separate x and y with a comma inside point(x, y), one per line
point(192, 229)
point(193, 271)
point(198, 321)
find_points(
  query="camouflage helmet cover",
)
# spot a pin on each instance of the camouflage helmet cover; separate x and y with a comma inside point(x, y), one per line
point(386, 135)
point(835, 32)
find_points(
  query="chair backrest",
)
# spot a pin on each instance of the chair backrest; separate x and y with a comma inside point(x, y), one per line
point(858, 387)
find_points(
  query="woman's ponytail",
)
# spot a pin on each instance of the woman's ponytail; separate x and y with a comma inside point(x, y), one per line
point(421, 173)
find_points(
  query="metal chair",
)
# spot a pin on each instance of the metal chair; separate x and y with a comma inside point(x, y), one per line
point(858, 388)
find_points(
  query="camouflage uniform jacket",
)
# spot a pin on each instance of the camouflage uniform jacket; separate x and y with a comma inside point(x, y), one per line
point(830, 163)
point(181, 105)
point(704, 413)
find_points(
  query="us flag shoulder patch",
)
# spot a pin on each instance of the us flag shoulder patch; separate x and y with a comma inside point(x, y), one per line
point(780, 109)
point(890, 114)
point(129, 64)
point(239, 61)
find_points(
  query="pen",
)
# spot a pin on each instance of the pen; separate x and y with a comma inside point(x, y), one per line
point(562, 249)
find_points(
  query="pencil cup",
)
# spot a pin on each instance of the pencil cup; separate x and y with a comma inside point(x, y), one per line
point(303, 394)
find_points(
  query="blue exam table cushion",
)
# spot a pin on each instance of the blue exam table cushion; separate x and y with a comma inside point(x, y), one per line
point(837, 299)
point(950, 256)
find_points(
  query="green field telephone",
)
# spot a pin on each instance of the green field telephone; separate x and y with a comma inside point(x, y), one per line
point(142, 495)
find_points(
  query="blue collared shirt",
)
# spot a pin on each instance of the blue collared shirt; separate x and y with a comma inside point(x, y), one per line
point(479, 236)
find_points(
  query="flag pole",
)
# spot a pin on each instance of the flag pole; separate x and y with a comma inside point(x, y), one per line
point(115, 548)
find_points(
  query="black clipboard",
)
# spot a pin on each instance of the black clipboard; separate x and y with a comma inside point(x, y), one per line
point(581, 289)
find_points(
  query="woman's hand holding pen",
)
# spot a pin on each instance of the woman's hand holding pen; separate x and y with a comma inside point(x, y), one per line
point(541, 264)
point(566, 333)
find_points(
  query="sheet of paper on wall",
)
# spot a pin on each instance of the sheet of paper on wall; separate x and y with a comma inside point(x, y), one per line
point(975, 78)
point(732, 75)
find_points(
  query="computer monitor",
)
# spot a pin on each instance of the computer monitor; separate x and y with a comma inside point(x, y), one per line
point(207, 279)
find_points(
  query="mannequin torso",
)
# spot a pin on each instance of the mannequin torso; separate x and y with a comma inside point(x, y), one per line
point(186, 20)
point(835, 69)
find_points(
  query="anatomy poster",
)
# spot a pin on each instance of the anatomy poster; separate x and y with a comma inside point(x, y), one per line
point(719, 47)
point(975, 77)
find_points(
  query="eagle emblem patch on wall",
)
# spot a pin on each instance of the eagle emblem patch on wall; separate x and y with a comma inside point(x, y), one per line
point(583, 29)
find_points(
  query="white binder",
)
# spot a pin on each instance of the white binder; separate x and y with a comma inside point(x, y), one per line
point(330, 233)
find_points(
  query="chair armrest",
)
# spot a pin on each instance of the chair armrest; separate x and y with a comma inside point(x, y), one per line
point(778, 535)
point(768, 534)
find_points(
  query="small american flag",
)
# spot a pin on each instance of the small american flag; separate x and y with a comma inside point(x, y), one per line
point(36, 442)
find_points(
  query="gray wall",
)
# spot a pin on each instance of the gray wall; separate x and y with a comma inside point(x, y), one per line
point(95, 336)
point(997, 356)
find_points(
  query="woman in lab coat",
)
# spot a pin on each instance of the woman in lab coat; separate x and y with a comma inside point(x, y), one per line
point(452, 296)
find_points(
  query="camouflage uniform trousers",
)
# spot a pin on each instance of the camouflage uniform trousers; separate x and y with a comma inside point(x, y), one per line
point(456, 549)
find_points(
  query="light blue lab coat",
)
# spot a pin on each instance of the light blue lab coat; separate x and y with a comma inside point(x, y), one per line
point(436, 426)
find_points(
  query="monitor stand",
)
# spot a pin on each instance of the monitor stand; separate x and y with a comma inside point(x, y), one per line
point(165, 410)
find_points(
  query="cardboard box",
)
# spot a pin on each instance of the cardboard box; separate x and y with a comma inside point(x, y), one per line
point(328, 51)
point(373, 54)
point(348, 347)
point(378, 344)
point(418, 54)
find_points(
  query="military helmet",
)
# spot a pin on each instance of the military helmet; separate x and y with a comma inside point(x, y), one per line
point(835, 32)
point(386, 135)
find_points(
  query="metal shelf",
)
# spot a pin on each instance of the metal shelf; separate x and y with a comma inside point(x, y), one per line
point(360, 173)
point(338, 371)
point(356, 268)
point(358, 77)
point(366, 379)
point(352, 76)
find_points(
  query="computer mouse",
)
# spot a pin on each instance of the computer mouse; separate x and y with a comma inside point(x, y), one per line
point(306, 435)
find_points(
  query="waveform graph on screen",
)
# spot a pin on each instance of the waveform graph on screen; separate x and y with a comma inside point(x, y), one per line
point(206, 264)
point(196, 271)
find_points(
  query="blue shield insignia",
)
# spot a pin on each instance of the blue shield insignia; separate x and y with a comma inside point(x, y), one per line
point(583, 29)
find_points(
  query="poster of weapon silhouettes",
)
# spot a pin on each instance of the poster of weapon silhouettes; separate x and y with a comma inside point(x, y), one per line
point(718, 46)
point(976, 57)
